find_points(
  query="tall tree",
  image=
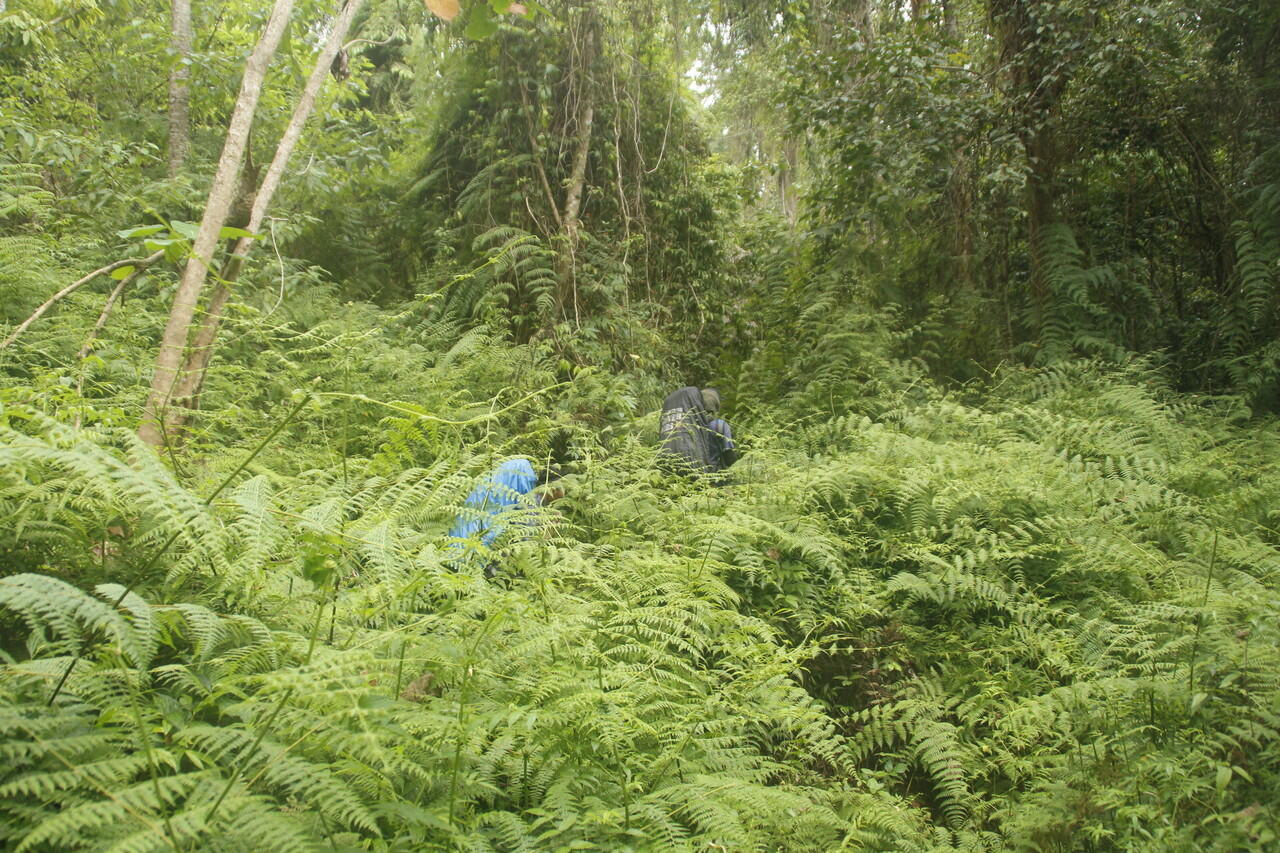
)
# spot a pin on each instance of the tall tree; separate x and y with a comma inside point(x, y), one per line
point(179, 85)
point(221, 195)
point(582, 85)
point(197, 361)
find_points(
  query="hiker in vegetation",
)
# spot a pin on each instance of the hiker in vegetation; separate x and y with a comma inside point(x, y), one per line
point(695, 441)
point(504, 490)
point(723, 450)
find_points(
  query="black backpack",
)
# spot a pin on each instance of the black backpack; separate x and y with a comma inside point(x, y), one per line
point(683, 432)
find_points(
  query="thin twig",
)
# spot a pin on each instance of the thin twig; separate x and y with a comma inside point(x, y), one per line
point(99, 326)
point(355, 42)
point(140, 263)
point(107, 306)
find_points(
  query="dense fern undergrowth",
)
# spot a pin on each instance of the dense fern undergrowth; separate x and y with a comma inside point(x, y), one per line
point(1039, 614)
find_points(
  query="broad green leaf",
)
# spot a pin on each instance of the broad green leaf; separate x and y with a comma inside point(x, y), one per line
point(141, 231)
point(186, 229)
point(121, 273)
point(230, 232)
point(482, 24)
point(318, 568)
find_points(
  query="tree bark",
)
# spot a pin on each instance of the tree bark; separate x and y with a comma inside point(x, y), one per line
point(215, 214)
point(863, 15)
point(187, 390)
point(949, 21)
point(578, 173)
point(1037, 79)
point(179, 89)
point(573, 201)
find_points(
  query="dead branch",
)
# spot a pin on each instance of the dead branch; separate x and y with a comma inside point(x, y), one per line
point(140, 263)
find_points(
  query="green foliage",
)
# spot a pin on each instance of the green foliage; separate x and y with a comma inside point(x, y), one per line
point(476, 207)
point(947, 154)
point(1006, 620)
point(1030, 610)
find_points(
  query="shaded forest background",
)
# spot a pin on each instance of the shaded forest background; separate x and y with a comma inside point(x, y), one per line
point(990, 288)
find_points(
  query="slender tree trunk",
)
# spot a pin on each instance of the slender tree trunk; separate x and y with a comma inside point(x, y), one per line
point(787, 198)
point(179, 90)
point(578, 172)
point(573, 201)
point(191, 379)
point(221, 195)
point(862, 13)
point(949, 21)
point(1037, 80)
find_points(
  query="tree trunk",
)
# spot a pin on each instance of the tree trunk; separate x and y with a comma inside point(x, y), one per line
point(573, 201)
point(787, 198)
point(578, 172)
point(187, 391)
point(179, 90)
point(1037, 79)
point(949, 21)
point(221, 195)
point(862, 14)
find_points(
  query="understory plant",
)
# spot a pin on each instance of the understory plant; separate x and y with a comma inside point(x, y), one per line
point(1033, 616)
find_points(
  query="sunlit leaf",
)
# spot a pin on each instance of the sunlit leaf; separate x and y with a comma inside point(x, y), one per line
point(230, 232)
point(140, 231)
point(186, 229)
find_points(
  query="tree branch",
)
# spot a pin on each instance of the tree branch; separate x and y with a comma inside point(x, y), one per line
point(140, 263)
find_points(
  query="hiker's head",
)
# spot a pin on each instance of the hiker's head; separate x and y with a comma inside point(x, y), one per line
point(711, 399)
point(549, 486)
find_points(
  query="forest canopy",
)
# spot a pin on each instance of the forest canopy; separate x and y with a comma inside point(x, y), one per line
point(989, 289)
